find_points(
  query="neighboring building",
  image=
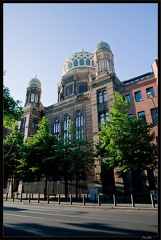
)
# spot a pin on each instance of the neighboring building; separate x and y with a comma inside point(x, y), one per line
point(85, 93)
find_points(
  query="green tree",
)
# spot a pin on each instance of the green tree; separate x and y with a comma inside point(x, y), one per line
point(12, 150)
point(12, 110)
point(81, 158)
point(126, 143)
point(38, 158)
point(77, 156)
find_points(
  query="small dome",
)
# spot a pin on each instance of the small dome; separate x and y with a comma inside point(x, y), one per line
point(80, 59)
point(102, 46)
point(35, 83)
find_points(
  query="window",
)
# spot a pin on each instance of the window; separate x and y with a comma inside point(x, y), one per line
point(100, 65)
point(75, 62)
point(69, 89)
point(130, 116)
point(34, 124)
point(67, 122)
point(56, 128)
point(102, 96)
point(70, 65)
point(79, 126)
point(106, 64)
point(104, 117)
point(36, 98)
point(87, 61)
point(128, 98)
point(82, 87)
point(23, 123)
point(154, 115)
point(150, 90)
point(138, 96)
point(32, 97)
point(92, 63)
point(142, 115)
point(81, 61)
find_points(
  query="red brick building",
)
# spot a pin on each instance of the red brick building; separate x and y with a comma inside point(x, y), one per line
point(85, 93)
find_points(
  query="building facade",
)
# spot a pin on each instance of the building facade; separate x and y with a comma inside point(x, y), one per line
point(85, 94)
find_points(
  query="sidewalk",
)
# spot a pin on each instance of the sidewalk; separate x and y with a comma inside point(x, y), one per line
point(89, 204)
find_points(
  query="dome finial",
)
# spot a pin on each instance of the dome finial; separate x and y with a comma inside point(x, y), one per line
point(36, 76)
point(82, 49)
point(101, 40)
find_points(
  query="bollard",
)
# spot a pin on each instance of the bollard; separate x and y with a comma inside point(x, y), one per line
point(84, 199)
point(98, 199)
point(6, 195)
point(32, 195)
point(29, 196)
point(13, 196)
point(59, 198)
point(114, 200)
point(21, 197)
point(38, 199)
point(26, 195)
point(152, 200)
point(132, 200)
point(48, 198)
point(71, 199)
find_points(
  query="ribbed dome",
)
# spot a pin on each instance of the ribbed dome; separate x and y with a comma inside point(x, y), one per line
point(35, 83)
point(78, 60)
point(102, 46)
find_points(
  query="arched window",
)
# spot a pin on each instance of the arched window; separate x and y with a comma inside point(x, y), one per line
point(106, 64)
point(100, 65)
point(32, 97)
point(92, 63)
point(67, 122)
point(81, 61)
point(87, 61)
point(75, 62)
point(56, 128)
point(79, 126)
point(102, 96)
point(70, 64)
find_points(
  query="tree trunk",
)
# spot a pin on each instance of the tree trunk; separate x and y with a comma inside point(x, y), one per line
point(76, 186)
point(66, 185)
point(45, 189)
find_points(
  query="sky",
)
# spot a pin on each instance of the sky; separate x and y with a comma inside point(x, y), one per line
point(38, 38)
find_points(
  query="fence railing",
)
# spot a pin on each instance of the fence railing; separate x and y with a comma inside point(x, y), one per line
point(99, 200)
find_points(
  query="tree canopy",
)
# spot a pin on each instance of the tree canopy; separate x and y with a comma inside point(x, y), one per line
point(126, 142)
point(12, 150)
point(38, 156)
point(12, 110)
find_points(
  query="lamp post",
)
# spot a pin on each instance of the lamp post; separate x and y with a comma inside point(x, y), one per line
point(149, 95)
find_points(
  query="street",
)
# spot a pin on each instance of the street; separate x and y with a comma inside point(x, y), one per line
point(54, 220)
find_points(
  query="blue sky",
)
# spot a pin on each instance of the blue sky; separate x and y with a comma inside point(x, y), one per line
point(38, 38)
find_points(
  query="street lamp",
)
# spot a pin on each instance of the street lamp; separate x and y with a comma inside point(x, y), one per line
point(149, 95)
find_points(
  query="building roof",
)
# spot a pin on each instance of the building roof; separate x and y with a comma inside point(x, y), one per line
point(102, 46)
point(80, 59)
point(35, 83)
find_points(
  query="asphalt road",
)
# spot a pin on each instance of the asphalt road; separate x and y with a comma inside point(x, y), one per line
point(59, 221)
